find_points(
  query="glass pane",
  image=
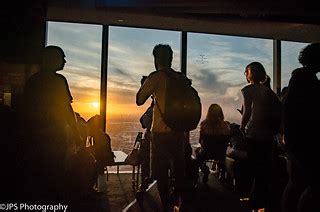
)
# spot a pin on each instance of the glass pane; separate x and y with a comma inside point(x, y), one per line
point(81, 44)
point(289, 59)
point(216, 65)
point(130, 58)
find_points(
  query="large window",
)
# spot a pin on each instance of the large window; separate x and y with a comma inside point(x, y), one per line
point(289, 59)
point(216, 66)
point(82, 46)
point(129, 58)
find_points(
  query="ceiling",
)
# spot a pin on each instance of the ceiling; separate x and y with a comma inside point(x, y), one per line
point(281, 20)
point(293, 20)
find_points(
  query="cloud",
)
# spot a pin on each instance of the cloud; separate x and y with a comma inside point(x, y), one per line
point(217, 74)
point(123, 74)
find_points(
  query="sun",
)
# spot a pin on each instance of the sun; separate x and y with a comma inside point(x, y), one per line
point(95, 104)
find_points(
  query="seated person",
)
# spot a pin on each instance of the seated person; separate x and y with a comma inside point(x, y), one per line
point(101, 143)
point(83, 129)
point(214, 138)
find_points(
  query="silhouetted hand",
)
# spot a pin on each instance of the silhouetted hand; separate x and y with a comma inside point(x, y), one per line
point(240, 111)
point(143, 78)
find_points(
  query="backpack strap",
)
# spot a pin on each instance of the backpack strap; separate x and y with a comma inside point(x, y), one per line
point(159, 109)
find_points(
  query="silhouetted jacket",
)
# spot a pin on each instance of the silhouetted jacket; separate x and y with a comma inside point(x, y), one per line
point(302, 112)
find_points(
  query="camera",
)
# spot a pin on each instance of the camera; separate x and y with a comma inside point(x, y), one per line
point(143, 79)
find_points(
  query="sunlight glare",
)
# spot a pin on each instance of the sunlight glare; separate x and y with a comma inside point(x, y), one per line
point(95, 104)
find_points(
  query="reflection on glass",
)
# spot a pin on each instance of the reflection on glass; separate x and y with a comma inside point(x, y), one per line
point(82, 46)
point(289, 59)
point(130, 58)
point(216, 64)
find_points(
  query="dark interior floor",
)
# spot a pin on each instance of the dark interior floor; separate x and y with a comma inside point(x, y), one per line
point(118, 195)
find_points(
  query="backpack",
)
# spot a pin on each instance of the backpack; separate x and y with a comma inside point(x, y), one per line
point(146, 118)
point(182, 111)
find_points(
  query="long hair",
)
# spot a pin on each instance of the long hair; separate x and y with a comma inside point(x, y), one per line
point(215, 114)
point(258, 73)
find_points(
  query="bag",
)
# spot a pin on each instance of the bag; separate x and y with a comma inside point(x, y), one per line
point(146, 118)
point(134, 156)
point(182, 103)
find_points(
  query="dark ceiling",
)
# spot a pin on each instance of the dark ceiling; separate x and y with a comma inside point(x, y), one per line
point(283, 20)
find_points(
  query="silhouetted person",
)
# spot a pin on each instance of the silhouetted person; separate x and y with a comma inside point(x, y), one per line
point(301, 130)
point(214, 138)
point(146, 123)
point(168, 145)
point(101, 143)
point(50, 125)
point(256, 124)
point(83, 129)
point(266, 82)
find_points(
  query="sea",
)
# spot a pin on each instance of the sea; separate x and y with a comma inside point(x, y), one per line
point(123, 135)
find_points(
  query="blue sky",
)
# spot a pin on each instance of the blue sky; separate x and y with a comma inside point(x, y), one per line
point(215, 64)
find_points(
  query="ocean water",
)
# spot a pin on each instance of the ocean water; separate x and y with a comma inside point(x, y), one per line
point(123, 135)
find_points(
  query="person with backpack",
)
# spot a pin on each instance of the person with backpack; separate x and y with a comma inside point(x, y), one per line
point(168, 132)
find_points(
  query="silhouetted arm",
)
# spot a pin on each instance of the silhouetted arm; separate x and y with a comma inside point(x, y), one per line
point(68, 112)
point(146, 90)
point(247, 109)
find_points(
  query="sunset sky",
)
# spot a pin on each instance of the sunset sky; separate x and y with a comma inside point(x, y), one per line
point(215, 64)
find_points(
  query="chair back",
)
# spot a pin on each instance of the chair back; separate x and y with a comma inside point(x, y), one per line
point(215, 146)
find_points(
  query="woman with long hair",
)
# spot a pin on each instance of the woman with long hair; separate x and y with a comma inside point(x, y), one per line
point(214, 137)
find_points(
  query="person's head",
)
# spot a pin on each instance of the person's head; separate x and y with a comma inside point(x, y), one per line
point(215, 114)
point(309, 56)
point(53, 59)
point(163, 55)
point(255, 73)
point(95, 122)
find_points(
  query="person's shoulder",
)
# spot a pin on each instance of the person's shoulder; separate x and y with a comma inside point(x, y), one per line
point(300, 76)
point(204, 124)
point(227, 123)
point(247, 87)
point(154, 74)
point(298, 71)
point(60, 76)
